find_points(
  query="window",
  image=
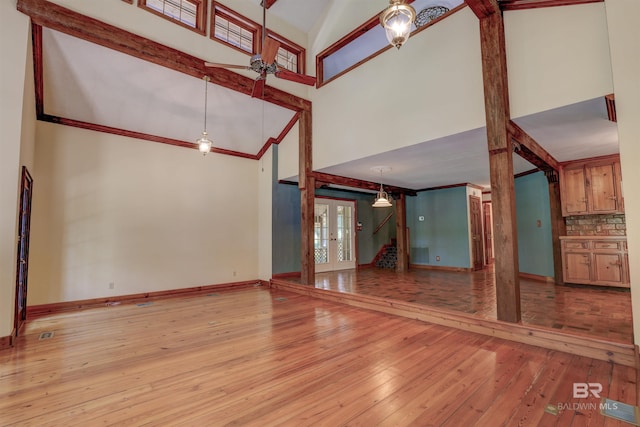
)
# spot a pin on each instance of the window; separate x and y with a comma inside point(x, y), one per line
point(369, 40)
point(234, 29)
point(188, 13)
point(290, 55)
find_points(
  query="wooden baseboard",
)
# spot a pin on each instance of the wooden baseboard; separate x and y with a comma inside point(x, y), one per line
point(285, 275)
point(7, 342)
point(439, 267)
point(596, 348)
point(538, 278)
point(46, 309)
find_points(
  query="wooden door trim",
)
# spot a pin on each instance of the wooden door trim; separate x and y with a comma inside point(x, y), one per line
point(26, 181)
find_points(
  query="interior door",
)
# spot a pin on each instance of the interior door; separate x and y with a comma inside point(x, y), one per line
point(23, 249)
point(334, 234)
point(488, 235)
point(476, 232)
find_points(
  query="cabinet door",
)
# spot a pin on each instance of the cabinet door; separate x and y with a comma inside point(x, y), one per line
point(608, 267)
point(577, 267)
point(601, 189)
point(574, 197)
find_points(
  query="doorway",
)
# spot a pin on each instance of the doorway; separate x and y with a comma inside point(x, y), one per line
point(24, 228)
point(334, 239)
point(488, 236)
point(476, 233)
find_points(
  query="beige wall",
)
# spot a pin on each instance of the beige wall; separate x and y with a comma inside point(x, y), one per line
point(430, 88)
point(624, 36)
point(139, 21)
point(14, 42)
point(556, 56)
point(142, 215)
point(265, 223)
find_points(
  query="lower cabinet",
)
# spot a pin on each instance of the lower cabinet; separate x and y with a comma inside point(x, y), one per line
point(595, 261)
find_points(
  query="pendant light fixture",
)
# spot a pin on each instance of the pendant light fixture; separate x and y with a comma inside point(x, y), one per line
point(383, 200)
point(396, 21)
point(204, 143)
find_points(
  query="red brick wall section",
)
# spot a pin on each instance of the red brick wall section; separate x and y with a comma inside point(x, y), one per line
point(596, 225)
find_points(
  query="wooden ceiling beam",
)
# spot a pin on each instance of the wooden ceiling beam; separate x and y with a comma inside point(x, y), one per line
point(530, 150)
point(61, 19)
point(483, 8)
point(270, 3)
point(532, 4)
point(358, 183)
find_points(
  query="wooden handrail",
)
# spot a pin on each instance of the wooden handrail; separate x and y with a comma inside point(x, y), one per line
point(384, 221)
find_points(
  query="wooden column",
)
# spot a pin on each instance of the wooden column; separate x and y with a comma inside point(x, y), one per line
point(494, 74)
point(558, 227)
point(306, 184)
point(401, 235)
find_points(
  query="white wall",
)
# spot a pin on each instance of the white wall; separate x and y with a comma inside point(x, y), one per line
point(142, 215)
point(15, 38)
point(430, 88)
point(288, 154)
point(556, 56)
point(265, 214)
point(624, 36)
point(139, 21)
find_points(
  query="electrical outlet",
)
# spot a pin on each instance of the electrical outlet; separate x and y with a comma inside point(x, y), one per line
point(234, 274)
point(437, 258)
point(112, 285)
point(421, 218)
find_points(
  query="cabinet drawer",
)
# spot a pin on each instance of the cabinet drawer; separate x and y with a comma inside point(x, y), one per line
point(607, 245)
point(576, 244)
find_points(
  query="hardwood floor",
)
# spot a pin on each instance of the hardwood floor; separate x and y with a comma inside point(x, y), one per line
point(262, 357)
point(583, 310)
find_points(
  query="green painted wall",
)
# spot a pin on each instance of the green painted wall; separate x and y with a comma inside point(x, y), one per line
point(444, 232)
point(535, 248)
point(286, 223)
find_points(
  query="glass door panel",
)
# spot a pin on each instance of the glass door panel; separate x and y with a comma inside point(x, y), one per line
point(334, 237)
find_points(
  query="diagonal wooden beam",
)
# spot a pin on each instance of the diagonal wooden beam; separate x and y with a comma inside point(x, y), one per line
point(530, 150)
point(483, 8)
point(55, 17)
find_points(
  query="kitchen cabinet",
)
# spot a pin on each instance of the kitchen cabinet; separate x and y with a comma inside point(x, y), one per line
point(595, 260)
point(591, 186)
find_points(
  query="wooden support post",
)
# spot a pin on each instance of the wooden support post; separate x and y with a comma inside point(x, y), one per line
point(494, 74)
point(402, 264)
point(307, 187)
point(558, 227)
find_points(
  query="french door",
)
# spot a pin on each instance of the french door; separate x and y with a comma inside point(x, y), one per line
point(334, 239)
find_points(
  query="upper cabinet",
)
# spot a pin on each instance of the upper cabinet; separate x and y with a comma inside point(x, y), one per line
point(592, 186)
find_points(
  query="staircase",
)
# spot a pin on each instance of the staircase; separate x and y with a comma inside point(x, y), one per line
point(387, 257)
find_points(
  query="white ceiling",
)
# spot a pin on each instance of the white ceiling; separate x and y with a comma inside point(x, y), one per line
point(93, 84)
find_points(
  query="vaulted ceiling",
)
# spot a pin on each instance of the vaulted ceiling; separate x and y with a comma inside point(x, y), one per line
point(86, 84)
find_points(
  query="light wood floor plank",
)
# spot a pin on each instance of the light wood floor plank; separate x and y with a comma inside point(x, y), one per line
point(264, 357)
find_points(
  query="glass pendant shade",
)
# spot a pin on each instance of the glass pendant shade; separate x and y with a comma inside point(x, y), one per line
point(382, 199)
point(204, 143)
point(396, 20)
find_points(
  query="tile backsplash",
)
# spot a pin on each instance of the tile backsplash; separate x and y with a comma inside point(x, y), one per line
point(596, 225)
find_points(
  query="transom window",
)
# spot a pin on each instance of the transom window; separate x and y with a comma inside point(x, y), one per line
point(189, 13)
point(235, 30)
point(290, 55)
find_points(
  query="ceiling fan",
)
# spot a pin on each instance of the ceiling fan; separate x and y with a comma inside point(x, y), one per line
point(265, 63)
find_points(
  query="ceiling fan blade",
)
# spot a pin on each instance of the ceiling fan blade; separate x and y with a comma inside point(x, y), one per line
point(258, 87)
point(269, 50)
point(295, 77)
point(218, 65)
